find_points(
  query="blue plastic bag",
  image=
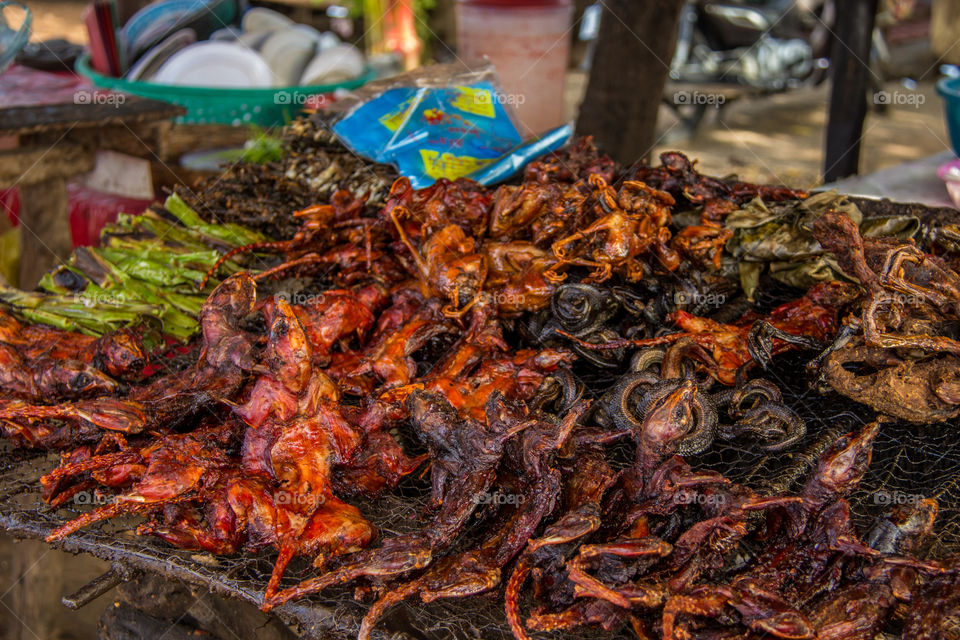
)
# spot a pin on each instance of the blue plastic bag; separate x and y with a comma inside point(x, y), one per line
point(443, 132)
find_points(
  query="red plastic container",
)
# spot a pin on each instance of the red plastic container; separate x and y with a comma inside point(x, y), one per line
point(10, 204)
point(528, 41)
point(514, 4)
point(90, 211)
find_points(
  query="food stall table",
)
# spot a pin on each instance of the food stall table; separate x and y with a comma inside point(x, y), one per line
point(914, 181)
point(51, 124)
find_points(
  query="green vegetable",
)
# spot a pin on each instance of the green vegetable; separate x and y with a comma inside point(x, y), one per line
point(147, 272)
point(230, 233)
point(263, 148)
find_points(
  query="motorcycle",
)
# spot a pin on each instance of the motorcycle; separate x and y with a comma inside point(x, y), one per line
point(765, 46)
point(759, 46)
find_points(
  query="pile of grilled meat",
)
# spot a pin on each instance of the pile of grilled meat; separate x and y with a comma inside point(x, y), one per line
point(551, 357)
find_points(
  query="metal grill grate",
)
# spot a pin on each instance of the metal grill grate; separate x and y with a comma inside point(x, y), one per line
point(908, 461)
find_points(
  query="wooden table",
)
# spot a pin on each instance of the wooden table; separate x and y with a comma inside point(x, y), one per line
point(51, 126)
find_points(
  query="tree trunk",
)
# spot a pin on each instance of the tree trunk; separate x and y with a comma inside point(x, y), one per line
point(630, 68)
point(850, 58)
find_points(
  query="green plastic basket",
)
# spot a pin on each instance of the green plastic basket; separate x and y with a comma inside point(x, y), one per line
point(263, 107)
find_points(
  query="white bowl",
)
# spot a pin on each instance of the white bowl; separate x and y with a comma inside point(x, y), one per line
point(261, 19)
point(215, 64)
point(287, 53)
point(226, 34)
point(253, 39)
point(338, 63)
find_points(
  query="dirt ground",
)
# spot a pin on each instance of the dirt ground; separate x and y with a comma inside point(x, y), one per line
point(780, 138)
point(57, 19)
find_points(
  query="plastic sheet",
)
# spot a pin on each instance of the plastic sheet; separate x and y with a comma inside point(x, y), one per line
point(448, 126)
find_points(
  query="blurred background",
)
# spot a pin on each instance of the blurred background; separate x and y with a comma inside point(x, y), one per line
point(762, 131)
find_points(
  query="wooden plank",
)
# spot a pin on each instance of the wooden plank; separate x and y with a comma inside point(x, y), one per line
point(179, 139)
point(45, 237)
point(32, 165)
point(137, 139)
point(34, 119)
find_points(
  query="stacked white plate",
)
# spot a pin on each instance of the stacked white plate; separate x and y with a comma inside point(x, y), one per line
point(269, 50)
point(287, 51)
point(215, 64)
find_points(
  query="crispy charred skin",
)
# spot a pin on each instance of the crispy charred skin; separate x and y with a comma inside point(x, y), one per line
point(477, 365)
point(225, 359)
point(579, 161)
point(633, 224)
point(651, 484)
point(859, 608)
point(910, 294)
point(531, 456)
point(695, 410)
point(295, 431)
point(336, 315)
point(805, 560)
point(447, 264)
point(119, 354)
point(921, 392)
point(462, 202)
point(702, 244)
point(42, 364)
point(465, 455)
point(584, 490)
point(175, 469)
point(807, 322)
point(322, 227)
point(292, 410)
point(516, 280)
point(678, 176)
point(780, 574)
point(650, 487)
point(934, 611)
point(42, 379)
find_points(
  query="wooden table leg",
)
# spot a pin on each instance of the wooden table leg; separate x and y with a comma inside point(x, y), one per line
point(32, 582)
point(41, 173)
point(45, 236)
